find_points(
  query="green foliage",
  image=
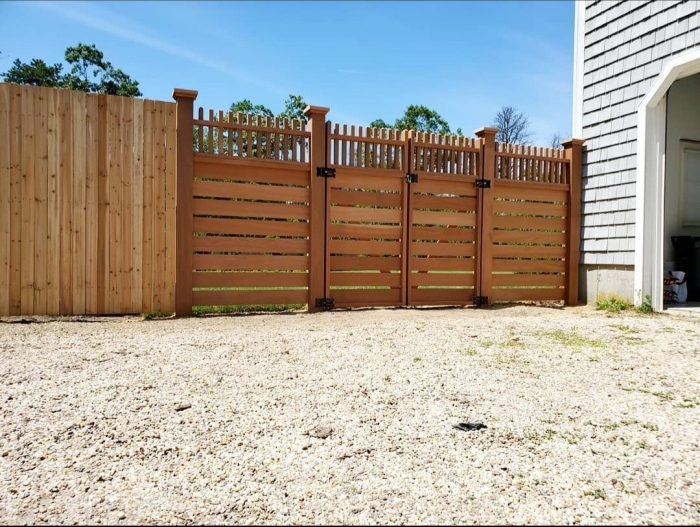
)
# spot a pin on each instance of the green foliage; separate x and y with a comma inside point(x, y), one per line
point(156, 315)
point(36, 73)
point(612, 304)
point(645, 306)
point(89, 73)
point(253, 308)
point(294, 108)
point(419, 118)
point(245, 106)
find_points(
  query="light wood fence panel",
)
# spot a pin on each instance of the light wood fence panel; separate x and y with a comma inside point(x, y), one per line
point(87, 198)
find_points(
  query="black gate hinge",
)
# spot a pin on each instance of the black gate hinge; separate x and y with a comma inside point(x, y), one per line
point(480, 300)
point(482, 183)
point(411, 178)
point(325, 303)
point(325, 172)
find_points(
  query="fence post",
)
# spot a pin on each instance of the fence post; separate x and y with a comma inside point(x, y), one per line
point(317, 204)
point(184, 230)
point(572, 152)
point(484, 211)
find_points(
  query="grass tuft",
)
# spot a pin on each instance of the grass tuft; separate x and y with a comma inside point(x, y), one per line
point(612, 304)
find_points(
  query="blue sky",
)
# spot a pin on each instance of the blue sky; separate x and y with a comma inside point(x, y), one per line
point(364, 60)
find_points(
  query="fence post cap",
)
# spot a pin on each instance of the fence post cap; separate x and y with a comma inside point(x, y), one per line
point(572, 142)
point(316, 109)
point(180, 93)
point(485, 130)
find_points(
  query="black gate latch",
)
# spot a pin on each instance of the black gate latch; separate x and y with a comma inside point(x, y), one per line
point(412, 178)
point(482, 183)
point(325, 172)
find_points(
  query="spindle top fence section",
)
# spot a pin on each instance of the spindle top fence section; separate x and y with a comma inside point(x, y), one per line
point(251, 137)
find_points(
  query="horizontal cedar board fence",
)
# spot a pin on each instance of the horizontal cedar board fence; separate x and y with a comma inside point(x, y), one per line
point(87, 203)
point(114, 205)
point(260, 209)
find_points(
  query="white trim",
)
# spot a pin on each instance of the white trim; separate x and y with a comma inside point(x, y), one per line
point(651, 161)
point(579, 34)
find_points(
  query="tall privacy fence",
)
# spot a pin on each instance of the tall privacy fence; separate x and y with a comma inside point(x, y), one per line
point(116, 205)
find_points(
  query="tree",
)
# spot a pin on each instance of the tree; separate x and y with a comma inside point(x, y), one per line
point(36, 73)
point(294, 108)
point(90, 73)
point(513, 126)
point(419, 118)
point(556, 140)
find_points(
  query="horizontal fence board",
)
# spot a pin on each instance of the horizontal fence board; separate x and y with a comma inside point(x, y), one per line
point(455, 185)
point(442, 264)
point(538, 237)
point(529, 266)
point(259, 171)
point(464, 204)
point(442, 249)
point(440, 297)
point(366, 297)
point(350, 230)
point(514, 295)
point(367, 263)
point(246, 209)
point(529, 280)
point(251, 227)
point(365, 279)
point(249, 245)
point(527, 251)
point(246, 127)
point(253, 279)
point(424, 217)
point(529, 223)
point(524, 190)
point(224, 262)
point(364, 247)
point(221, 189)
point(366, 214)
point(457, 233)
point(368, 179)
point(367, 198)
point(524, 207)
point(443, 279)
point(251, 297)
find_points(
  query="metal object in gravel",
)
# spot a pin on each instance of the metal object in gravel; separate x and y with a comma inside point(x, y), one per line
point(469, 427)
point(322, 432)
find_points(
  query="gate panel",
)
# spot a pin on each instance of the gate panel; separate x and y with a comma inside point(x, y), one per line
point(251, 233)
point(443, 222)
point(530, 223)
point(365, 237)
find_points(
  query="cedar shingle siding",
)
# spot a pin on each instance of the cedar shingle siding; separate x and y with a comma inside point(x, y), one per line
point(626, 45)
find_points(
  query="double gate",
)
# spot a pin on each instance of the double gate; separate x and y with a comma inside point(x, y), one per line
point(400, 233)
point(285, 212)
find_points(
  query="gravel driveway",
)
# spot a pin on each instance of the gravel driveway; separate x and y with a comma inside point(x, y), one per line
point(591, 418)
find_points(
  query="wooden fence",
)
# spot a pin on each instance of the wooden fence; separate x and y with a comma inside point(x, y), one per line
point(87, 203)
point(114, 205)
point(330, 215)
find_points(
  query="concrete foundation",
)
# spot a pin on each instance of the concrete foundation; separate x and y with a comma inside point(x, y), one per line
point(603, 281)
